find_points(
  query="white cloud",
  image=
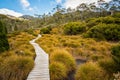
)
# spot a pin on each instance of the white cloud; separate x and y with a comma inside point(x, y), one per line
point(30, 9)
point(26, 5)
point(58, 1)
point(74, 3)
point(10, 12)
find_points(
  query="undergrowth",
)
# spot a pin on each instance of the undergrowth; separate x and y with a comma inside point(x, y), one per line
point(16, 63)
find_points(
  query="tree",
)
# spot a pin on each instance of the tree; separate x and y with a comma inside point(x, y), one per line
point(92, 7)
point(101, 3)
point(3, 38)
point(82, 7)
point(114, 6)
point(69, 10)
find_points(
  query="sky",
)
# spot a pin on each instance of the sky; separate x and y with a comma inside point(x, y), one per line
point(30, 7)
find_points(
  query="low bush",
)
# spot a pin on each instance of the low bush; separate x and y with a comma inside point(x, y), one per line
point(90, 71)
point(108, 32)
point(109, 20)
point(105, 20)
point(116, 15)
point(108, 65)
point(4, 45)
point(74, 28)
point(64, 57)
point(116, 56)
point(45, 30)
point(58, 71)
point(30, 31)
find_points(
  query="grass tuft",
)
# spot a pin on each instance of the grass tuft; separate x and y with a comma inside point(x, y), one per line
point(64, 57)
point(57, 71)
point(90, 71)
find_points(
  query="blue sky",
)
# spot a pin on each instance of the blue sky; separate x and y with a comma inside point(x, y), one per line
point(31, 7)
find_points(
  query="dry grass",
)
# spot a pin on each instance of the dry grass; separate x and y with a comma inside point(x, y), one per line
point(62, 49)
point(90, 71)
point(20, 44)
point(64, 57)
point(16, 63)
point(15, 68)
point(58, 71)
point(80, 48)
point(76, 45)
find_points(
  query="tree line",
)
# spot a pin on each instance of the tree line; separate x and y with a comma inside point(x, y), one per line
point(82, 12)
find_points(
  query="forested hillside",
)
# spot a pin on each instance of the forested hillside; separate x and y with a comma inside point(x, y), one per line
point(82, 12)
point(14, 24)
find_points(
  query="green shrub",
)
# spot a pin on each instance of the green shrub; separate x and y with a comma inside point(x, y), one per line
point(58, 71)
point(64, 57)
point(116, 56)
point(90, 71)
point(15, 68)
point(108, 65)
point(116, 15)
point(91, 22)
point(109, 20)
point(45, 30)
point(4, 45)
point(74, 28)
point(109, 32)
point(29, 31)
point(105, 20)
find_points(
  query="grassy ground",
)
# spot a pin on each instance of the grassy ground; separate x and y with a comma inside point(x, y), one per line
point(77, 46)
point(16, 63)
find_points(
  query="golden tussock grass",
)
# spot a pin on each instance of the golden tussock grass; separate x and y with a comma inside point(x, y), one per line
point(75, 45)
point(64, 57)
point(90, 71)
point(58, 71)
point(65, 49)
point(15, 67)
point(16, 63)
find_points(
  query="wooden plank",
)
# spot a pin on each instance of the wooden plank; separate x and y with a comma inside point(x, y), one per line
point(41, 68)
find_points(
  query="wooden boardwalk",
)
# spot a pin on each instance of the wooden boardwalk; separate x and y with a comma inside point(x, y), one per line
point(41, 68)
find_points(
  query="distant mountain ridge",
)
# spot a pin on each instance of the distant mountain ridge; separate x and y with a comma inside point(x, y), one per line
point(26, 17)
point(14, 24)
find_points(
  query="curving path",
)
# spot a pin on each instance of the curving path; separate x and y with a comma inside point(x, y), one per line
point(40, 70)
